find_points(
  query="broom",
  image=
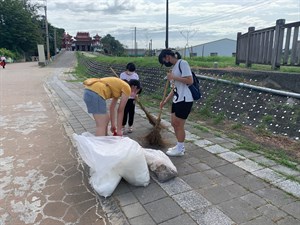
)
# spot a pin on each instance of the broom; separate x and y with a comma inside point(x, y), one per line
point(154, 137)
point(151, 118)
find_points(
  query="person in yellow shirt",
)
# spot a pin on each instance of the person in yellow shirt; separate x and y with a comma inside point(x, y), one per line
point(96, 92)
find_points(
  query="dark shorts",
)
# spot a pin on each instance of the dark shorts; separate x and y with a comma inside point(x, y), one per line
point(182, 109)
point(95, 103)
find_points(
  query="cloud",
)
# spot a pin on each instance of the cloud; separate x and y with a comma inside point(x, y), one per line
point(202, 20)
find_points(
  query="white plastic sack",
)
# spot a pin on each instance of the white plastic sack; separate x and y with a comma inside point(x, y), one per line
point(110, 158)
point(160, 164)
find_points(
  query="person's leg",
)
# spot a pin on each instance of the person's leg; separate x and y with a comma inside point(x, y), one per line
point(131, 112)
point(178, 125)
point(180, 112)
point(126, 111)
point(102, 121)
point(96, 105)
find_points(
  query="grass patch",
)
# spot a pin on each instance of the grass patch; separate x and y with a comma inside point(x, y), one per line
point(276, 155)
point(201, 128)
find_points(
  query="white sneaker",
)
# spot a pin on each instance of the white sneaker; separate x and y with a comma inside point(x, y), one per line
point(175, 151)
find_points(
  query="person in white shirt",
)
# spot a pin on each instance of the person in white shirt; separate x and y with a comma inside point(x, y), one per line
point(3, 61)
point(129, 75)
point(181, 95)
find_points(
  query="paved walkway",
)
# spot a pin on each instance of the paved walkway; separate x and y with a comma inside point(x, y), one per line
point(215, 185)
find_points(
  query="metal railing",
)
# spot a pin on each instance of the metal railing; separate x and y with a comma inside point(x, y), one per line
point(275, 46)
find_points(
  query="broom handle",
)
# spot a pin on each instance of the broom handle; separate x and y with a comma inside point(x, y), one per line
point(164, 96)
point(114, 72)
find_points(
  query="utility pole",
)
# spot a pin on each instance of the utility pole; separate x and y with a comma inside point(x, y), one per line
point(47, 32)
point(55, 46)
point(135, 44)
point(167, 24)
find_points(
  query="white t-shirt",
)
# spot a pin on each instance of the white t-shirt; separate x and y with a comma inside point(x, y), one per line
point(133, 76)
point(125, 76)
point(181, 90)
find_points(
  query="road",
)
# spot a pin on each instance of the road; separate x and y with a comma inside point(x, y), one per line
point(41, 178)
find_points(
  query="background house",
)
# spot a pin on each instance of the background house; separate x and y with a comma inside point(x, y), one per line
point(222, 47)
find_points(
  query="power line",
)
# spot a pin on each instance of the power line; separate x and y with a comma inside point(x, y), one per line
point(227, 13)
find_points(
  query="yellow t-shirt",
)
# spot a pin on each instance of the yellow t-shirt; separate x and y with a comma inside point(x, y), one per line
point(110, 87)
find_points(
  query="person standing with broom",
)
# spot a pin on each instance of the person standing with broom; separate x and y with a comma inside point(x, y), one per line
point(182, 98)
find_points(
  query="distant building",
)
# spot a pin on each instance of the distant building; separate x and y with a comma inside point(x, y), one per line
point(67, 41)
point(136, 52)
point(83, 42)
point(222, 47)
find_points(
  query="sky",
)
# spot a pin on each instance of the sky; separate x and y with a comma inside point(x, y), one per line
point(191, 22)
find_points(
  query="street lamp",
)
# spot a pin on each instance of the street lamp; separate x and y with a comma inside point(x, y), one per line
point(167, 24)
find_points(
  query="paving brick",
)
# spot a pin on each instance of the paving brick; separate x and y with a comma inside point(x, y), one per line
point(175, 186)
point(260, 220)
point(277, 197)
point(289, 186)
point(151, 193)
point(219, 194)
point(250, 182)
point(248, 165)
point(211, 216)
point(163, 209)
point(143, 219)
point(269, 175)
point(254, 200)
point(288, 221)
point(293, 209)
point(214, 161)
point(126, 199)
point(231, 156)
point(239, 211)
point(272, 212)
point(179, 220)
point(216, 149)
point(191, 201)
point(133, 210)
point(231, 170)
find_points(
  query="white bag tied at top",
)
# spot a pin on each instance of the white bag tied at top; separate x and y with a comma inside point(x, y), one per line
point(111, 158)
point(160, 164)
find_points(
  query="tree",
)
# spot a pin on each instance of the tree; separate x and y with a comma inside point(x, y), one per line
point(19, 30)
point(112, 46)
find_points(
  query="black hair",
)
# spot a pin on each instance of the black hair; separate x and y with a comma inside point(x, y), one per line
point(134, 82)
point(130, 67)
point(166, 52)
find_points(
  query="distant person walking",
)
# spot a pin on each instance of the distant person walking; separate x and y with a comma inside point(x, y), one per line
point(130, 75)
point(3, 61)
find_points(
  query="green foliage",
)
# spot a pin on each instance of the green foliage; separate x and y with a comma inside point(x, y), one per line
point(7, 53)
point(112, 46)
point(21, 28)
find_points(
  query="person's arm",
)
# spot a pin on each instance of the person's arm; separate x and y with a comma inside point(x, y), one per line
point(112, 113)
point(186, 80)
point(163, 102)
point(120, 113)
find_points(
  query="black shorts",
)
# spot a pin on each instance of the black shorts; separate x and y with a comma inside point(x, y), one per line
point(182, 109)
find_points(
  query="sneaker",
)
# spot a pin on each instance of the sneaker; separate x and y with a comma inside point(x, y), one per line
point(175, 151)
point(130, 130)
point(123, 130)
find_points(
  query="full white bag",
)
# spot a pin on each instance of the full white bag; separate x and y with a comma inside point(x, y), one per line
point(110, 158)
point(160, 164)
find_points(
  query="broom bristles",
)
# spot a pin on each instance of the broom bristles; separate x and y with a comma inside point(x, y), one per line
point(151, 118)
point(154, 138)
